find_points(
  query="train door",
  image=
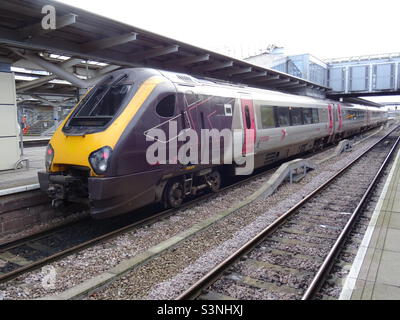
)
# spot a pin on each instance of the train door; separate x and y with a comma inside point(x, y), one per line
point(331, 120)
point(249, 126)
point(340, 118)
point(368, 116)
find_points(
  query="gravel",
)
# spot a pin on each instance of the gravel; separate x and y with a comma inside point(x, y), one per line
point(88, 263)
point(169, 274)
point(291, 278)
point(244, 292)
point(42, 227)
point(172, 287)
point(286, 259)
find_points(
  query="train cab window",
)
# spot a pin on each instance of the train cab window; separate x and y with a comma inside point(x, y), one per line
point(166, 107)
point(296, 115)
point(267, 117)
point(307, 116)
point(104, 101)
point(315, 115)
point(283, 116)
point(247, 116)
point(100, 106)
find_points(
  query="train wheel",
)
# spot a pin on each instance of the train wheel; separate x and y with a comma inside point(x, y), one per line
point(174, 194)
point(214, 181)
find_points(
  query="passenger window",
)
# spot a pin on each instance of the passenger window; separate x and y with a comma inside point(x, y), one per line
point(307, 116)
point(315, 115)
point(166, 107)
point(247, 115)
point(283, 116)
point(297, 116)
point(267, 117)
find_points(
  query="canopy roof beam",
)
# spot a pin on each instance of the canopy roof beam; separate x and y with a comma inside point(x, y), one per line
point(276, 82)
point(152, 53)
point(55, 69)
point(109, 42)
point(290, 84)
point(267, 78)
point(252, 75)
point(35, 30)
point(214, 66)
point(37, 83)
point(233, 71)
point(189, 60)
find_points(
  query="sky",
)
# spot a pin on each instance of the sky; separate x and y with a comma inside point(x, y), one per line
point(323, 28)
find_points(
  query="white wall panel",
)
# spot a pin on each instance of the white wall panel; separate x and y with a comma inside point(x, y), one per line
point(7, 88)
point(9, 151)
point(8, 121)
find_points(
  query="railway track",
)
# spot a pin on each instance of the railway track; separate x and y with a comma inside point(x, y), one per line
point(291, 258)
point(33, 252)
point(28, 254)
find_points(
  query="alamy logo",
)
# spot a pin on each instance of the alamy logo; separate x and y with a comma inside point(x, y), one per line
point(211, 147)
point(49, 20)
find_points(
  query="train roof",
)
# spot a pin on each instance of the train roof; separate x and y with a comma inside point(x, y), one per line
point(187, 80)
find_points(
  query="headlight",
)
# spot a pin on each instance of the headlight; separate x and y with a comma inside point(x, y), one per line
point(100, 159)
point(49, 157)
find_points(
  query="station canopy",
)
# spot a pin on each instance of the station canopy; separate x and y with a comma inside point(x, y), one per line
point(85, 46)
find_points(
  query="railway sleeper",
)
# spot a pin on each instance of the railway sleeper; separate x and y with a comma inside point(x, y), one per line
point(303, 242)
point(304, 232)
point(260, 284)
point(257, 264)
point(213, 295)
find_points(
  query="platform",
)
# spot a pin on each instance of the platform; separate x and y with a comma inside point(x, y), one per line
point(21, 178)
point(375, 273)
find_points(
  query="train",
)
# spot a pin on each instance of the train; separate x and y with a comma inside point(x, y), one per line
point(99, 155)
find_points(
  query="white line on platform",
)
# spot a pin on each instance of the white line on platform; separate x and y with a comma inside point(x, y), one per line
point(30, 187)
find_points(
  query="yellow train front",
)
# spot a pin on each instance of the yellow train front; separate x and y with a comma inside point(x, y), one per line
point(97, 155)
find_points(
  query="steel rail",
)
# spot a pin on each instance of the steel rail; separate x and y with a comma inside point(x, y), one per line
point(149, 220)
point(336, 248)
point(146, 221)
point(7, 246)
point(43, 234)
point(194, 290)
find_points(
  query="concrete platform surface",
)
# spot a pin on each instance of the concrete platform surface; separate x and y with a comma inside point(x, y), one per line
point(375, 274)
point(12, 179)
